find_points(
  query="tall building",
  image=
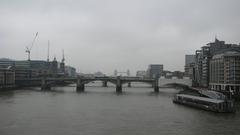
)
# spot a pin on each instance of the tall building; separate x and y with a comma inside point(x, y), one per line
point(189, 59)
point(225, 71)
point(154, 70)
point(203, 57)
point(189, 66)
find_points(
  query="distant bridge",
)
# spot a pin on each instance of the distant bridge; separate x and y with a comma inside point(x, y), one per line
point(46, 82)
point(165, 82)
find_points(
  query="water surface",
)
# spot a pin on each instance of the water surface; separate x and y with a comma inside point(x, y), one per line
point(100, 111)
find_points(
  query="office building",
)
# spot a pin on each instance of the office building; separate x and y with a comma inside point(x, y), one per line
point(35, 68)
point(203, 57)
point(225, 71)
point(189, 59)
point(155, 70)
point(189, 66)
point(7, 78)
point(6, 63)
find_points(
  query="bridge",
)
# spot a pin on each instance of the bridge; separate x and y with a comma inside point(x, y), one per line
point(165, 82)
point(46, 82)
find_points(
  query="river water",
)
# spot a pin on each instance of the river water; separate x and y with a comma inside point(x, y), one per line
point(100, 111)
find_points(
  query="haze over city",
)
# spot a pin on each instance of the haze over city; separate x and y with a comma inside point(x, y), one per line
point(125, 67)
point(106, 35)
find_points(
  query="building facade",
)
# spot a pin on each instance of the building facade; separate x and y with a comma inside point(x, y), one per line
point(7, 78)
point(203, 57)
point(35, 68)
point(189, 59)
point(189, 67)
point(6, 63)
point(155, 70)
point(225, 71)
point(31, 69)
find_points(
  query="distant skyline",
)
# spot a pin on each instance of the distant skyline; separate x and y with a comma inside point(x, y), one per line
point(116, 34)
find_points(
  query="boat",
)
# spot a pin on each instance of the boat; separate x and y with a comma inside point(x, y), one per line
point(205, 103)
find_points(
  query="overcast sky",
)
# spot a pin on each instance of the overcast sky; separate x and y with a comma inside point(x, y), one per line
point(104, 35)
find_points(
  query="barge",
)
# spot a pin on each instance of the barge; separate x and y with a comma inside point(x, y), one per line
point(209, 104)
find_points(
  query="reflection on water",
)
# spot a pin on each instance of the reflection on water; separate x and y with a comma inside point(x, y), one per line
point(101, 111)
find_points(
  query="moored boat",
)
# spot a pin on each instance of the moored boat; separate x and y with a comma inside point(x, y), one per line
point(215, 105)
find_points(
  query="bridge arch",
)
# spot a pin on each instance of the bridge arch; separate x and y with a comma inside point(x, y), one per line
point(126, 82)
point(88, 81)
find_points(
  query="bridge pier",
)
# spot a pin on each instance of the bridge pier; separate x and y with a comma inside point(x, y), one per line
point(155, 85)
point(80, 86)
point(156, 89)
point(118, 85)
point(44, 85)
point(129, 84)
point(104, 84)
point(119, 88)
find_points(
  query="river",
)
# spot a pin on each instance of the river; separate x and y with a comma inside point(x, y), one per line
point(100, 111)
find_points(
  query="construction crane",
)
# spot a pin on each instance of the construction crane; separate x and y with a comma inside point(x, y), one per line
point(28, 50)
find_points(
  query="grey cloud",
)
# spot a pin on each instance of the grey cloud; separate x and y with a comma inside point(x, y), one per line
point(111, 34)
